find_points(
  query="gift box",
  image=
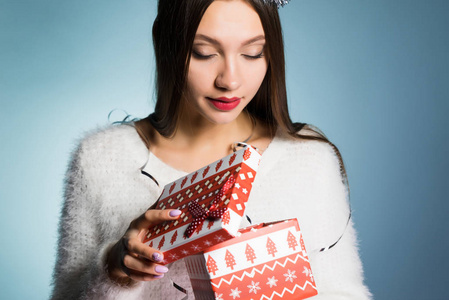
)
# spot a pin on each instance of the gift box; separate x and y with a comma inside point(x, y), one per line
point(212, 201)
point(266, 261)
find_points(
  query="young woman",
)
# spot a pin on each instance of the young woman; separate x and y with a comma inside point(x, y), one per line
point(220, 79)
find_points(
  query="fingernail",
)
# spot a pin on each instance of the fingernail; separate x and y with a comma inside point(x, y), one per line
point(175, 213)
point(161, 269)
point(158, 276)
point(157, 256)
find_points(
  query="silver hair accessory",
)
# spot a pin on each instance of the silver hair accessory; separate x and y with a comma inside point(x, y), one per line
point(279, 3)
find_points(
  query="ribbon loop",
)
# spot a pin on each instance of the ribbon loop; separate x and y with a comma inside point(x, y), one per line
point(214, 212)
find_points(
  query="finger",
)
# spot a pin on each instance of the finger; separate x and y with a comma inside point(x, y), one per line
point(138, 276)
point(137, 249)
point(134, 265)
point(155, 216)
point(159, 215)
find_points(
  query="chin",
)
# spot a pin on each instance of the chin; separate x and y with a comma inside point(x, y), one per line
point(222, 118)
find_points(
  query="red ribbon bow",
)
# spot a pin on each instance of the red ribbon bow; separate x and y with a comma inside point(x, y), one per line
point(214, 212)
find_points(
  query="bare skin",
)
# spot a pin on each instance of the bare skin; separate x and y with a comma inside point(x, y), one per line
point(129, 260)
point(229, 62)
point(191, 153)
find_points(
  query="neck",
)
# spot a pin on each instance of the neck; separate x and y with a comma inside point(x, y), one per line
point(196, 144)
point(195, 133)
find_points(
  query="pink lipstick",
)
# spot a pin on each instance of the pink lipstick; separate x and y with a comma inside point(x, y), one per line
point(224, 103)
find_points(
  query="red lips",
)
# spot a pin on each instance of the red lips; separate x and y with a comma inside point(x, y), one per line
point(224, 103)
point(227, 99)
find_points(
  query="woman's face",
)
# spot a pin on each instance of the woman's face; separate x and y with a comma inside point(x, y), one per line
point(228, 62)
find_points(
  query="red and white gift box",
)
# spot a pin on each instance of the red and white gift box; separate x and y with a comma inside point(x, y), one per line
point(212, 201)
point(267, 261)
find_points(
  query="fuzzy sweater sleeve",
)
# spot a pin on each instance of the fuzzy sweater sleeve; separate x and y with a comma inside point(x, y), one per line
point(301, 179)
point(338, 271)
point(82, 246)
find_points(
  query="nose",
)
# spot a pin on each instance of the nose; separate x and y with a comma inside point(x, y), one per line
point(228, 77)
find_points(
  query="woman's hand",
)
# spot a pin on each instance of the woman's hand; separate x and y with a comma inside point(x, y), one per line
point(130, 260)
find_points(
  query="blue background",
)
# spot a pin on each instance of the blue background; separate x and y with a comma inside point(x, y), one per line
point(373, 75)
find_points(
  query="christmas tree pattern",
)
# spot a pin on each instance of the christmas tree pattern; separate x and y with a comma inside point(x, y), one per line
point(211, 265)
point(271, 247)
point(230, 260)
point(211, 223)
point(231, 160)
point(250, 255)
point(183, 182)
point(303, 248)
point(193, 177)
point(174, 237)
point(206, 171)
point(247, 154)
point(218, 166)
point(172, 187)
point(292, 242)
point(161, 243)
point(151, 244)
point(226, 218)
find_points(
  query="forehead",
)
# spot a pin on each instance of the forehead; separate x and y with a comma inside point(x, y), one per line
point(234, 20)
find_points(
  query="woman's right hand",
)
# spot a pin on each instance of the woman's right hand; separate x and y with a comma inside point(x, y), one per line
point(130, 260)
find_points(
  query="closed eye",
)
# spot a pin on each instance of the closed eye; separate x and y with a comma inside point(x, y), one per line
point(201, 56)
point(260, 55)
point(205, 57)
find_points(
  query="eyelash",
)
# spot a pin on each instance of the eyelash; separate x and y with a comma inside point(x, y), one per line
point(260, 55)
point(204, 57)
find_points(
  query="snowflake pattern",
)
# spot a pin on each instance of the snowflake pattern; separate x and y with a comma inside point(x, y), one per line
point(253, 287)
point(218, 296)
point(219, 238)
point(207, 243)
point(272, 281)
point(290, 275)
point(308, 273)
point(184, 252)
point(235, 293)
point(173, 256)
point(196, 248)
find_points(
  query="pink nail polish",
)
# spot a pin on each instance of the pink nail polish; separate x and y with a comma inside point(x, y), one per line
point(175, 213)
point(157, 256)
point(161, 269)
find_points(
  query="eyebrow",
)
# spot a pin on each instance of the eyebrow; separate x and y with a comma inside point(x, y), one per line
point(216, 42)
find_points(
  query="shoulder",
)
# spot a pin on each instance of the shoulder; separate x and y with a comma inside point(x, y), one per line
point(111, 135)
point(315, 153)
point(312, 161)
point(114, 146)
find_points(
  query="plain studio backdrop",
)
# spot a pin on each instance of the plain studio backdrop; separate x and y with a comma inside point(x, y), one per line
point(373, 75)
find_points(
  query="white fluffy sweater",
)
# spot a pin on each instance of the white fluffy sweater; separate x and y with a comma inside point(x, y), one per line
point(105, 191)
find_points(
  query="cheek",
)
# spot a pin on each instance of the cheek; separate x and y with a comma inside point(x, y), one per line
point(255, 76)
point(199, 77)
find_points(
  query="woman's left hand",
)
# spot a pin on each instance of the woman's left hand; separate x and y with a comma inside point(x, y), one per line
point(130, 260)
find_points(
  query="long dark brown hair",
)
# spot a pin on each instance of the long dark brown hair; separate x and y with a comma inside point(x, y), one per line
point(173, 34)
